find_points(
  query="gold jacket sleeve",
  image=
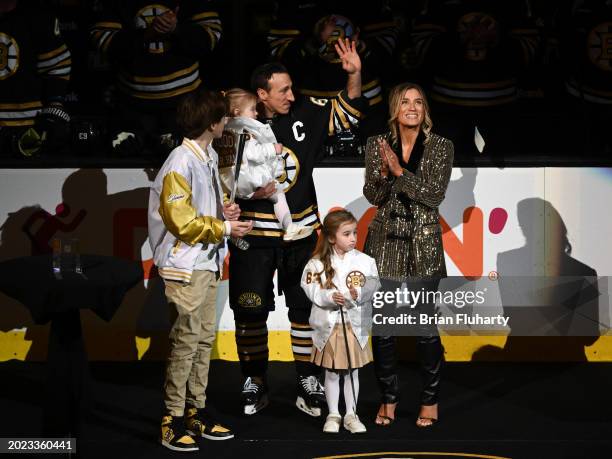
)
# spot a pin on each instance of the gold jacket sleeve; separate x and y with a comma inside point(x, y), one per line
point(429, 190)
point(181, 218)
point(376, 188)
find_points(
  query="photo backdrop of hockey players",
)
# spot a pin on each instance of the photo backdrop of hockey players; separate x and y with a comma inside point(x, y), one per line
point(35, 66)
point(584, 30)
point(155, 50)
point(302, 38)
point(473, 56)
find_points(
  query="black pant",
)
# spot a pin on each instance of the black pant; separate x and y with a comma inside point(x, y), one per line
point(252, 297)
point(252, 342)
point(430, 354)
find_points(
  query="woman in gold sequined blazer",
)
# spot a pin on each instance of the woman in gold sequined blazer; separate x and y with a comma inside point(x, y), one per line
point(407, 173)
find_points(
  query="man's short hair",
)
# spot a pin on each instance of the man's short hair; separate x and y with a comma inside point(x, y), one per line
point(260, 78)
point(198, 110)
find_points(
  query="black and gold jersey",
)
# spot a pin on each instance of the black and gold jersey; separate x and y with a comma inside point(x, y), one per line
point(323, 78)
point(473, 52)
point(302, 133)
point(34, 64)
point(156, 71)
point(586, 44)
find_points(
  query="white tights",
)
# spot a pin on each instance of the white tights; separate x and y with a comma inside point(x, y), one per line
point(332, 390)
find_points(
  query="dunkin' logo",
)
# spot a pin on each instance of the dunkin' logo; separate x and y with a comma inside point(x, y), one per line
point(465, 252)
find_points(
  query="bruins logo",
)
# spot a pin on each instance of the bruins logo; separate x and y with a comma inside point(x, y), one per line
point(144, 18)
point(599, 46)
point(479, 33)
point(249, 300)
point(9, 56)
point(292, 169)
point(355, 279)
point(146, 15)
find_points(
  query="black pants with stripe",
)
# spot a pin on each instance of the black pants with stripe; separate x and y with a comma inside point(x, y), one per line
point(252, 297)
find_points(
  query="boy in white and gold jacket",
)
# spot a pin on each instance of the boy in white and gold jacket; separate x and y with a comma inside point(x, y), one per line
point(187, 234)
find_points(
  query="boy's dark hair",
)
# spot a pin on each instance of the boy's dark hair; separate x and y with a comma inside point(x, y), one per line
point(260, 78)
point(198, 110)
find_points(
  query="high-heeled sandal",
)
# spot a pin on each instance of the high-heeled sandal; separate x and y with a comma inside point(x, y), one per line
point(386, 419)
point(432, 421)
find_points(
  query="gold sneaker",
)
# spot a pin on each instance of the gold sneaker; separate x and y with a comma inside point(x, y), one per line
point(174, 437)
point(200, 424)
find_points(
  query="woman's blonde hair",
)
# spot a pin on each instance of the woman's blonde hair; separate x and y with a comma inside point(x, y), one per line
point(324, 249)
point(395, 101)
point(236, 98)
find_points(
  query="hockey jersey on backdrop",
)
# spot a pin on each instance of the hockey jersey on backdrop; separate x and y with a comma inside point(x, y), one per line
point(587, 50)
point(323, 78)
point(155, 72)
point(474, 51)
point(35, 64)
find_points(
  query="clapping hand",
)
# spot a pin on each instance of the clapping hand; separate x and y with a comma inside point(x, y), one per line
point(389, 160)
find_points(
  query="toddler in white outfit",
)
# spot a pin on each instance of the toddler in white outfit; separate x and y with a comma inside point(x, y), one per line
point(262, 162)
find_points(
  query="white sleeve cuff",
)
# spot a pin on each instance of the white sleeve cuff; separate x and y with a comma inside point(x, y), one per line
point(271, 151)
point(227, 227)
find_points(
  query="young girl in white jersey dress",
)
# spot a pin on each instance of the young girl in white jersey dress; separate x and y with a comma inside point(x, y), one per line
point(261, 162)
point(338, 276)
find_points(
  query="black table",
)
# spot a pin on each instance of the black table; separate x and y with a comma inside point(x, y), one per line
point(101, 288)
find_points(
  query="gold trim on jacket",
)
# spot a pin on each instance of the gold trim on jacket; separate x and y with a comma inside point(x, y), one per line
point(405, 236)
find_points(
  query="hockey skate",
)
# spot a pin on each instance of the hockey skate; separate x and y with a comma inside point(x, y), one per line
point(311, 395)
point(254, 396)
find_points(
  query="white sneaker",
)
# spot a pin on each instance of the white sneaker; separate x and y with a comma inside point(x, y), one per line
point(353, 424)
point(332, 423)
point(295, 232)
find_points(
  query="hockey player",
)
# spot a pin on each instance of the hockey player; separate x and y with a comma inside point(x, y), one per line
point(155, 48)
point(303, 38)
point(35, 68)
point(586, 50)
point(474, 54)
point(301, 128)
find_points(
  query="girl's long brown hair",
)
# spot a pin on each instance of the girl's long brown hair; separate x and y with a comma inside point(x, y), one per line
point(324, 249)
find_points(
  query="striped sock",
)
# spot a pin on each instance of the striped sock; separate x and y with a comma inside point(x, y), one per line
point(301, 341)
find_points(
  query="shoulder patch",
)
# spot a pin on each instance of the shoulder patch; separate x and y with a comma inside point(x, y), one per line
point(319, 102)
